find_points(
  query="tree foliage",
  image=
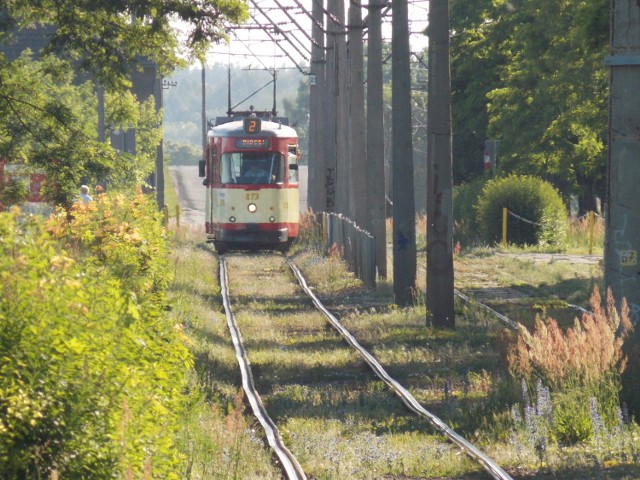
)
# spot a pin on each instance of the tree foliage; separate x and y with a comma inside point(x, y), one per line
point(298, 112)
point(530, 74)
point(49, 123)
point(107, 37)
point(48, 112)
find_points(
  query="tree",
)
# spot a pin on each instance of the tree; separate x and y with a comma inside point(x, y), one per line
point(475, 64)
point(530, 74)
point(48, 118)
point(49, 123)
point(107, 37)
point(297, 109)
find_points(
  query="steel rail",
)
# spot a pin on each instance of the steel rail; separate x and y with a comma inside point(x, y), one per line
point(489, 465)
point(503, 318)
point(289, 463)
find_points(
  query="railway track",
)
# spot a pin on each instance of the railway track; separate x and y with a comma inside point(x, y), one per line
point(290, 465)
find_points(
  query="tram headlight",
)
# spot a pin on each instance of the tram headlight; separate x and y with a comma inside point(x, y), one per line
point(232, 219)
point(272, 219)
point(252, 207)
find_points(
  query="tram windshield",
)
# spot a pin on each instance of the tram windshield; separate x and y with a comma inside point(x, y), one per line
point(246, 168)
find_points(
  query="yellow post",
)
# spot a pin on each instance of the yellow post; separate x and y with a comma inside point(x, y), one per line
point(591, 225)
point(165, 215)
point(177, 216)
point(504, 227)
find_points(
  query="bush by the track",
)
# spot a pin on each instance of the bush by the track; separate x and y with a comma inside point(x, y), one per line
point(91, 370)
point(541, 211)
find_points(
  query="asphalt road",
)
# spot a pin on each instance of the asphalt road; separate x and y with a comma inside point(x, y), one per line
point(191, 192)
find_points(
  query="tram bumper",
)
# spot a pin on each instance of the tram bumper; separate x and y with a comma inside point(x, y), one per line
point(252, 234)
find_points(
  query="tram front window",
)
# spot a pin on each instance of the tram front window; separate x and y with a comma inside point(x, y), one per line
point(247, 168)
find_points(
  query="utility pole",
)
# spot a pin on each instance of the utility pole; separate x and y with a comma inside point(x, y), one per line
point(317, 164)
point(159, 183)
point(204, 107)
point(404, 230)
point(358, 198)
point(343, 154)
point(375, 138)
point(622, 211)
point(440, 310)
point(333, 31)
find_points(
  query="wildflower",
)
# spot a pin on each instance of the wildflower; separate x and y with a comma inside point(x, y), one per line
point(596, 420)
point(543, 406)
point(516, 415)
point(525, 393)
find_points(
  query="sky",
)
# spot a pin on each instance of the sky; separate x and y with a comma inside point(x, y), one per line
point(251, 46)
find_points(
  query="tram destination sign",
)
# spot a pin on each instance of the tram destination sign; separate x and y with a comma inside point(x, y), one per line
point(253, 142)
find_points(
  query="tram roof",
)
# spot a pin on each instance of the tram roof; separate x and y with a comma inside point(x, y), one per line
point(268, 129)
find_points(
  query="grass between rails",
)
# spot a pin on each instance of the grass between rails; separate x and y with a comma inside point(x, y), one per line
point(339, 420)
point(218, 438)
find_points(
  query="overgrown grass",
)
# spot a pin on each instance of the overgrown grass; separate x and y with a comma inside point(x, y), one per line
point(586, 232)
point(585, 235)
point(170, 197)
point(460, 376)
point(218, 439)
point(337, 417)
point(339, 420)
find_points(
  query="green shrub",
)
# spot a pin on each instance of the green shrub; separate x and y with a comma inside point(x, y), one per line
point(91, 370)
point(14, 191)
point(465, 198)
point(182, 153)
point(543, 216)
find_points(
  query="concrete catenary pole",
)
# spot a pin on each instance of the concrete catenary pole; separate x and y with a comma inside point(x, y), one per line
point(358, 197)
point(343, 154)
point(317, 165)
point(375, 138)
point(622, 211)
point(203, 113)
point(404, 231)
point(440, 310)
point(330, 132)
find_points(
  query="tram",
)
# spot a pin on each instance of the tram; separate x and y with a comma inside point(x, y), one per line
point(250, 171)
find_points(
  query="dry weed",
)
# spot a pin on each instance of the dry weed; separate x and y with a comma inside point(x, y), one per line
point(588, 351)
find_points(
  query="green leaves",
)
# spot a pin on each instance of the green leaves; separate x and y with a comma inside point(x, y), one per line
point(91, 370)
point(108, 37)
point(530, 75)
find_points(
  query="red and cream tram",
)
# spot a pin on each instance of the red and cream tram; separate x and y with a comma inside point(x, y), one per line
point(251, 174)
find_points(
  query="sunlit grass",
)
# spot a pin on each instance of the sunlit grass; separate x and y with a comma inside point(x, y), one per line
point(319, 390)
point(218, 439)
point(586, 235)
point(337, 418)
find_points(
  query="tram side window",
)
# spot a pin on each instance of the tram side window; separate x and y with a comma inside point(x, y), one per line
point(277, 168)
point(293, 172)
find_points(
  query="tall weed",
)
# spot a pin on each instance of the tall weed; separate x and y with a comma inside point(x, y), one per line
point(587, 352)
point(581, 366)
